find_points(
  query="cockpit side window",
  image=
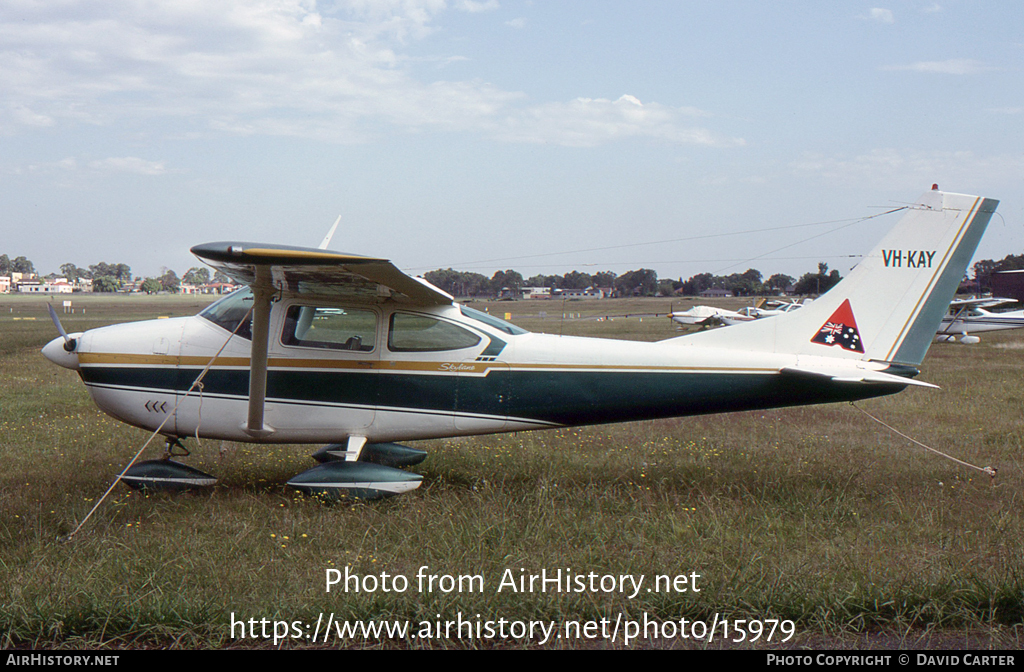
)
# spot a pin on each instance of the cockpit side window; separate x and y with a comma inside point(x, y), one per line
point(230, 311)
point(330, 328)
point(421, 333)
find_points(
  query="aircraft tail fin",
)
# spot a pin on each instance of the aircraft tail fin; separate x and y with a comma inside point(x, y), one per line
point(891, 304)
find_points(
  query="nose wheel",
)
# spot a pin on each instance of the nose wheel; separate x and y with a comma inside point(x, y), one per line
point(175, 448)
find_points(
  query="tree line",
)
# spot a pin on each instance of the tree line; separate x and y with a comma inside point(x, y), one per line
point(107, 277)
point(640, 282)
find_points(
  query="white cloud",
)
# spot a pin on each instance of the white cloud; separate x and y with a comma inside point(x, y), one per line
point(129, 164)
point(24, 116)
point(335, 72)
point(64, 165)
point(401, 19)
point(934, 8)
point(586, 122)
point(517, 23)
point(475, 7)
point(954, 66)
point(881, 15)
point(274, 66)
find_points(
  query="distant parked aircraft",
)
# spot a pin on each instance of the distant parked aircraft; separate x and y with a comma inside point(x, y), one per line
point(708, 316)
point(711, 316)
point(976, 315)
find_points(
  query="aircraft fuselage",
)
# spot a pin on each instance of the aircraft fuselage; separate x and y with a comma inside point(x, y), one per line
point(387, 373)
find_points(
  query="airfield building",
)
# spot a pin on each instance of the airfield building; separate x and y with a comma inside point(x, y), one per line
point(1009, 284)
point(55, 286)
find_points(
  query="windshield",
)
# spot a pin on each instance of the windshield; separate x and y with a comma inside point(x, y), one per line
point(230, 311)
point(490, 321)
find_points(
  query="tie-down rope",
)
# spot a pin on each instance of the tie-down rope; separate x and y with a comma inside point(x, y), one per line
point(197, 381)
point(991, 471)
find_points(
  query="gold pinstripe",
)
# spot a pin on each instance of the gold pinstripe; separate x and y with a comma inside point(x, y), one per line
point(98, 359)
point(304, 254)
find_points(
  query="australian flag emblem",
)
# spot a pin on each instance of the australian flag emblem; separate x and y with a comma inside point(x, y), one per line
point(841, 330)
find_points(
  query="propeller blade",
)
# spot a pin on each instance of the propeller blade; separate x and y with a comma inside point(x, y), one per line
point(69, 343)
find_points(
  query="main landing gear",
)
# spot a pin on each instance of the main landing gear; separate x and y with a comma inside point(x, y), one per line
point(352, 470)
point(360, 470)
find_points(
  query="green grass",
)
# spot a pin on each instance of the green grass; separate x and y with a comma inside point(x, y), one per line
point(813, 514)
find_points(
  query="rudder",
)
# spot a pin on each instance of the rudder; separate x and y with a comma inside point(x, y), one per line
point(891, 304)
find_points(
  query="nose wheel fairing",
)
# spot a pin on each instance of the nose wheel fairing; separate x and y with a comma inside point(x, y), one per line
point(166, 475)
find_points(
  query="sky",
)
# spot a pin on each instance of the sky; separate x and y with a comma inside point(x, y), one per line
point(544, 137)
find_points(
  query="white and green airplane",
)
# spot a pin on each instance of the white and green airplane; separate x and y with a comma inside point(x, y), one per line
point(326, 347)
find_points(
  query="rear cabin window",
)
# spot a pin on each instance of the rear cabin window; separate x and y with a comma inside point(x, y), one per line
point(419, 333)
point(229, 312)
point(330, 328)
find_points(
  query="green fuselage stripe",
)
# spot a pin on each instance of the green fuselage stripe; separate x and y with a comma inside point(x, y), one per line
point(548, 396)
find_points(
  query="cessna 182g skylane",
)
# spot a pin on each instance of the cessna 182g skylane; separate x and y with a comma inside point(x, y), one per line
point(348, 350)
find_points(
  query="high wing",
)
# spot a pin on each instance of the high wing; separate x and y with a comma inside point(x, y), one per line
point(989, 302)
point(317, 271)
point(269, 269)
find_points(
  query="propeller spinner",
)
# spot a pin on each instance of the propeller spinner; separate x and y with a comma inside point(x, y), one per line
point(61, 350)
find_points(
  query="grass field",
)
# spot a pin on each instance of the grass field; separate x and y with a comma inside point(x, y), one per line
point(813, 514)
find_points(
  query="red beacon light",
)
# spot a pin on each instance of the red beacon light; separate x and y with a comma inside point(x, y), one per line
point(935, 187)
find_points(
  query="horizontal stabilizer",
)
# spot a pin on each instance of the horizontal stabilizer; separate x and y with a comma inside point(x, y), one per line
point(854, 375)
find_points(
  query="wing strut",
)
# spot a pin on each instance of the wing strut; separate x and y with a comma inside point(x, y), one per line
point(263, 292)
